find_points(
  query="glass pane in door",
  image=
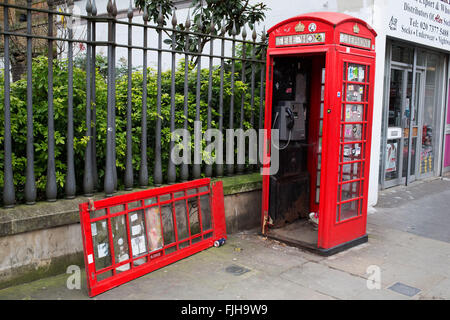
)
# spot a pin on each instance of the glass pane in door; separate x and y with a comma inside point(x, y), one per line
point(394, 135)
point(395, 98)
point(413, 156)
point(392, 158)
point(411, 122)
point(431, 93)
point(415, 119)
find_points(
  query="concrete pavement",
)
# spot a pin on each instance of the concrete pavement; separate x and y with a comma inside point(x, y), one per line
point(409, 244)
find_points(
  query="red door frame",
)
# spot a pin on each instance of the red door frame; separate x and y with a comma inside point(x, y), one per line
point(158, 258)
point(331, 233)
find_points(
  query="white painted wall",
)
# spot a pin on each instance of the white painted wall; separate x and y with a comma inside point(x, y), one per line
point(379, 18)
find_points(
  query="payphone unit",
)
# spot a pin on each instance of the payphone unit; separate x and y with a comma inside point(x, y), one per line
point(289, 101)
point(319, 96)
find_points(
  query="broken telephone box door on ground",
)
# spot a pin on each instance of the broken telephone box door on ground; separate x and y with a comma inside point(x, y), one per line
point(127, 236)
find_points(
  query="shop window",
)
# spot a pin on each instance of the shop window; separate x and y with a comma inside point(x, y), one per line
point(402, 54)
point(421, 58)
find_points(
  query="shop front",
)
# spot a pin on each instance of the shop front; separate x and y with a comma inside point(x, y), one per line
point(413, 104)
point(415, 91)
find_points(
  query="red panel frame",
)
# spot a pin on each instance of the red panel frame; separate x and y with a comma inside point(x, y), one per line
point(157, 258)
point(331, 233)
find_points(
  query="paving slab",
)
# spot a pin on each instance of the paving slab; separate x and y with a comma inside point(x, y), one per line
point(422, 208)
point(335, 283)
point(440, 291)
point(264, 287)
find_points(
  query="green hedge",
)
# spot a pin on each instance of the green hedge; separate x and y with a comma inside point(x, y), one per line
point(60, 87)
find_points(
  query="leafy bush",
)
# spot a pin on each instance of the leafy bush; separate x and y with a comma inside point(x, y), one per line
point(60, 88)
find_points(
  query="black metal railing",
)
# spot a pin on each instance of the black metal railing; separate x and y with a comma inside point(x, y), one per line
point(229, 94)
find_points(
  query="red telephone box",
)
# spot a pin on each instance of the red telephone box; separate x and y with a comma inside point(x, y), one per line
point(319, 95)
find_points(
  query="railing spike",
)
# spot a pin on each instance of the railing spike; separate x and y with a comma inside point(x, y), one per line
point(160, 19)
point(223, 27)
point(145, 16)
point(94, 8)
point(188, 19)
point(88, 6)
point(109, 7)
point(174, 18)
point(234, 31)
point(130, 10)
point(211, 26)
point(114, 11)
point(199, 23)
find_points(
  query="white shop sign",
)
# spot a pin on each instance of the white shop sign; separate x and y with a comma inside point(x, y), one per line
point(421, 21)
point(394, 133)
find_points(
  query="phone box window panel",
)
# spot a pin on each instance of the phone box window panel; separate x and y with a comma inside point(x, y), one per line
point(353, 113)
point(153, 220)
point(97, 213)
point(356, 73)
point(205, 208)
point(117, 209)
point(355, 93)
point(168, 224)
point(352, 132)
point(350, 191)
point(150, 201)
point(353, 151)
point(134, 205)
point(182, 220)
point(120, 241)
point(351, 171)
point(349, 210)
point(137, 233)
point(181, 214)
point(194, 216)
point(100, 241)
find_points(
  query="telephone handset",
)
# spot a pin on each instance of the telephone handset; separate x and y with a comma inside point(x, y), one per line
point(290, 120)
point(290, 116)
